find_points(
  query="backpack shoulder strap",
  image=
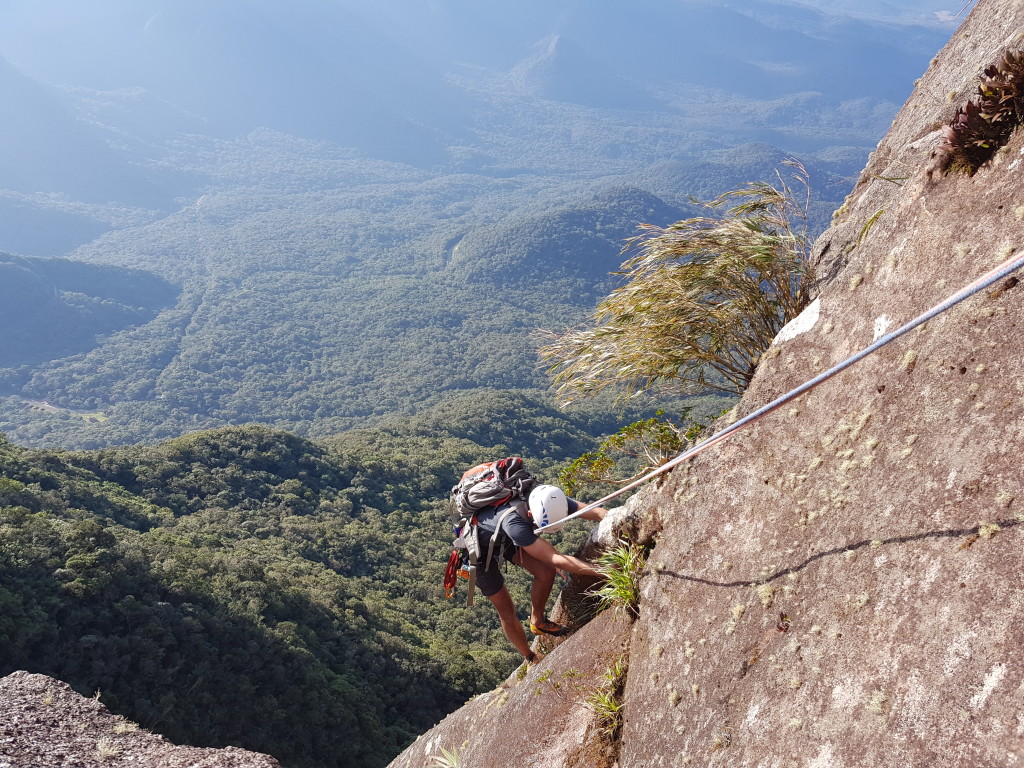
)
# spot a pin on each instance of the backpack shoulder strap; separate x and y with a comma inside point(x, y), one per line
point(513, 509)
point(497, 532)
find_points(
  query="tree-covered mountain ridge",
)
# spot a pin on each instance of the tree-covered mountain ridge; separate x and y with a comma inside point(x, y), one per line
point(244, 586)
point(116, 572)
point(323, 320)
point(841, 583)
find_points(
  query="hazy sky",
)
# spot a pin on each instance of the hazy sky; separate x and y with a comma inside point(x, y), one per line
point(408, 74)
point(65, 39)
point(940, 11)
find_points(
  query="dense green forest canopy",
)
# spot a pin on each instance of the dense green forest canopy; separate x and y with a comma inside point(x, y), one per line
point(323, 312)
point(246, 586)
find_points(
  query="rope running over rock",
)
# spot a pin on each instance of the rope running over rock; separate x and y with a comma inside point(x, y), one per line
point(1006, 268)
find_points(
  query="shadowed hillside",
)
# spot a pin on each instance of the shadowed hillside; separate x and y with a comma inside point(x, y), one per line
point(53, 308)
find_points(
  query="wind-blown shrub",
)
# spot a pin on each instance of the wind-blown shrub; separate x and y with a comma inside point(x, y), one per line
point(703, 299)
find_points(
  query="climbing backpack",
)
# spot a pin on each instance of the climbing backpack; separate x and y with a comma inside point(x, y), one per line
point(489, 485)
point(492, 484)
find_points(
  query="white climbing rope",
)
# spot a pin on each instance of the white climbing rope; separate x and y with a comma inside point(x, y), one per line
point(1003, 270)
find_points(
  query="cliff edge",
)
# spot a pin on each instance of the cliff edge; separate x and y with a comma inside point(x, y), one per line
point(44, 723)
point(842, 584)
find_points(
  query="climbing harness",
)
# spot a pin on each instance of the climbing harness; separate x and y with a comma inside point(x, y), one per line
point(983, 282)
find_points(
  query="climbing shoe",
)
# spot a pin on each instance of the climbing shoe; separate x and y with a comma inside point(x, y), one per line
point(546, 627)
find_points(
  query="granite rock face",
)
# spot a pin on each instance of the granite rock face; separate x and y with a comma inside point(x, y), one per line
point(842, 583)
point(44, 723)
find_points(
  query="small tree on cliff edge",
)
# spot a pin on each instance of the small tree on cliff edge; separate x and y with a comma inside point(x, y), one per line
point(704, 298)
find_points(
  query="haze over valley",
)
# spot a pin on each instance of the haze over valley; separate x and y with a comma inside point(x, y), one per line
point(318, 214)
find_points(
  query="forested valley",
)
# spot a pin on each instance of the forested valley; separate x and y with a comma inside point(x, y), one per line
point(246, 586)
point(327, 309)
point(378, 220)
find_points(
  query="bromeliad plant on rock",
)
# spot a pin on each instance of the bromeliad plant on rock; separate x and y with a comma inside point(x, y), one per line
point(986, 123)
point(621, 567)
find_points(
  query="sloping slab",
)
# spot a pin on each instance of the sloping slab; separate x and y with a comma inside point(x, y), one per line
point(541, 721)
point(843, 584)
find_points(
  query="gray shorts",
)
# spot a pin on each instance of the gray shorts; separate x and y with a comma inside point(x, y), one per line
point(516, 532)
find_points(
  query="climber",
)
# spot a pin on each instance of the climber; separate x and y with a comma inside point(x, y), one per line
point(517, 541)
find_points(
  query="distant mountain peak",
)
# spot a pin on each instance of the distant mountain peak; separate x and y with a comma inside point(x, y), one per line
point(560, 69)
point(548, 46)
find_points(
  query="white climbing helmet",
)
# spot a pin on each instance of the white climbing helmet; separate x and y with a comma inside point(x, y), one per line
point(548, 505)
